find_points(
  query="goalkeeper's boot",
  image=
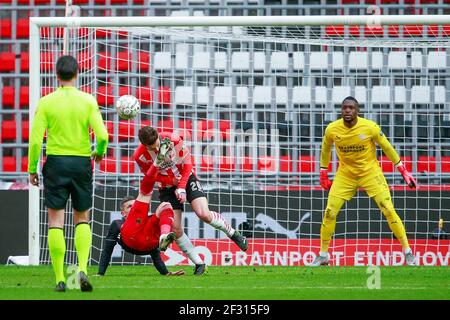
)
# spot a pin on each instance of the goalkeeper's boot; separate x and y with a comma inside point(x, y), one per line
point(321, 261)
point(60, 287)
point(199, 269)
point(85, 285)
point(165, 240)
point(240, 240)
point(410, 259)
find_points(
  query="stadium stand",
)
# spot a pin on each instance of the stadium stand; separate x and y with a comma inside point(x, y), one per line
point(310, 64)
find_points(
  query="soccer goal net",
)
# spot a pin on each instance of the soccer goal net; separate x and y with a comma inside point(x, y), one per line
point(252, 96)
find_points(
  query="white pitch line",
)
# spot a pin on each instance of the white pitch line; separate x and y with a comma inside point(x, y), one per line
point(233, 288)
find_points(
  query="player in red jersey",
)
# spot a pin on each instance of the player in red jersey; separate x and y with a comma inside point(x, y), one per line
point(142, 232)
point(167, 153)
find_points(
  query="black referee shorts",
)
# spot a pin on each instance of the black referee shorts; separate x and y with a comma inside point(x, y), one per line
point(66, 176)
point(194, 190)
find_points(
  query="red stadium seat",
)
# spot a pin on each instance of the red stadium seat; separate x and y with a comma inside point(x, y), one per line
point(102, 33)
point(285, 164)
point(24, 164)
point(104, 61)
point(124, 90)
point(185, 129)
point(426, 164)
point(335, 31)
point(354, 31)
point(207, 163)
point(413, 30)
point(5, 29)
point(84, 32)
point(73, 1)
point(433, 30)
point(225, 128)
point(266, 164)
point(144, 95)
point(103, 2)
point(165, 125)
point(382, 1)
point(407, 161)
point(205, 130)
point(110, 128)
point(126, 130)
point(246, 164)
point(144, 61)
point(164, 96)
point(9, 164)
point(308, 164)
point(24, 62)
point(393, 31)
point(145, 123)
point(25, 130)
point(46, 62)
point(23, 28)
point(8, 61)
point(227, 164)
point(9, 130)
point(386, 164)
point(87, 89)
point(85, 60)
point(127, 164)
point(108, 164)
point(105, 96)
point(51, 33)
point(373, 31)
point(7, 97)
point(46, 90)
point(24, 96)
point(445, 164)
point(123, 61)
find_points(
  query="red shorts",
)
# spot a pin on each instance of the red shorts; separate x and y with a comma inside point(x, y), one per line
point(140, 231)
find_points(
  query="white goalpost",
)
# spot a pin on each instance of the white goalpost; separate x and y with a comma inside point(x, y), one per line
point(252, 96)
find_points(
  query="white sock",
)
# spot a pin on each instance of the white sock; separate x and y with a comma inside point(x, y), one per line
point(323, 254)
point(408, 251)
point(188, 248)
point(220, 223)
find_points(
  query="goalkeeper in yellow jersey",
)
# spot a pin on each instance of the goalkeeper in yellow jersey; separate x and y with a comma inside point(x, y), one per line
point(355, 139)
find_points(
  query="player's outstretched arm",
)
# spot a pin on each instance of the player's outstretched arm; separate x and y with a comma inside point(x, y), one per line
point(409, 179)
point(176, 273)
point(325, 155)
point(161, 266)
point(110, 242)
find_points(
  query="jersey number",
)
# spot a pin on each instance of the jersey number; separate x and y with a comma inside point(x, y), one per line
point(196, 186)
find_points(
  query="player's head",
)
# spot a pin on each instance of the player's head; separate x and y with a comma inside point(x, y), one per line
point(149, 137)
point(66, 68)
point(125, 206)
point(349, 109)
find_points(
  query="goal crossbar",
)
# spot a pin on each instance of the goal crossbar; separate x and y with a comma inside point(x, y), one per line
point(239, 21)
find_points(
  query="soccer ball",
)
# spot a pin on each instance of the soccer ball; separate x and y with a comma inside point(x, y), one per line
point(128, 107)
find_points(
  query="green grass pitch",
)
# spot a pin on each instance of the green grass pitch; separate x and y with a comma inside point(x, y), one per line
point(234, 283)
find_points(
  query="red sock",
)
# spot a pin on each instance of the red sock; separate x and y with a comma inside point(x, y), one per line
point(166, 221)
point(147, 185)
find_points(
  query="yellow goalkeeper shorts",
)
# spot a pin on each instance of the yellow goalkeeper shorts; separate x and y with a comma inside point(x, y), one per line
point(345, 186)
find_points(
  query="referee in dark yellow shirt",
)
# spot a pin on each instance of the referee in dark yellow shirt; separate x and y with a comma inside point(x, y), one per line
point(67, 114)
point(355, 139)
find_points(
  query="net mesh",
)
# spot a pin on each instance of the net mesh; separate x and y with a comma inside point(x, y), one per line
point(253, 104)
